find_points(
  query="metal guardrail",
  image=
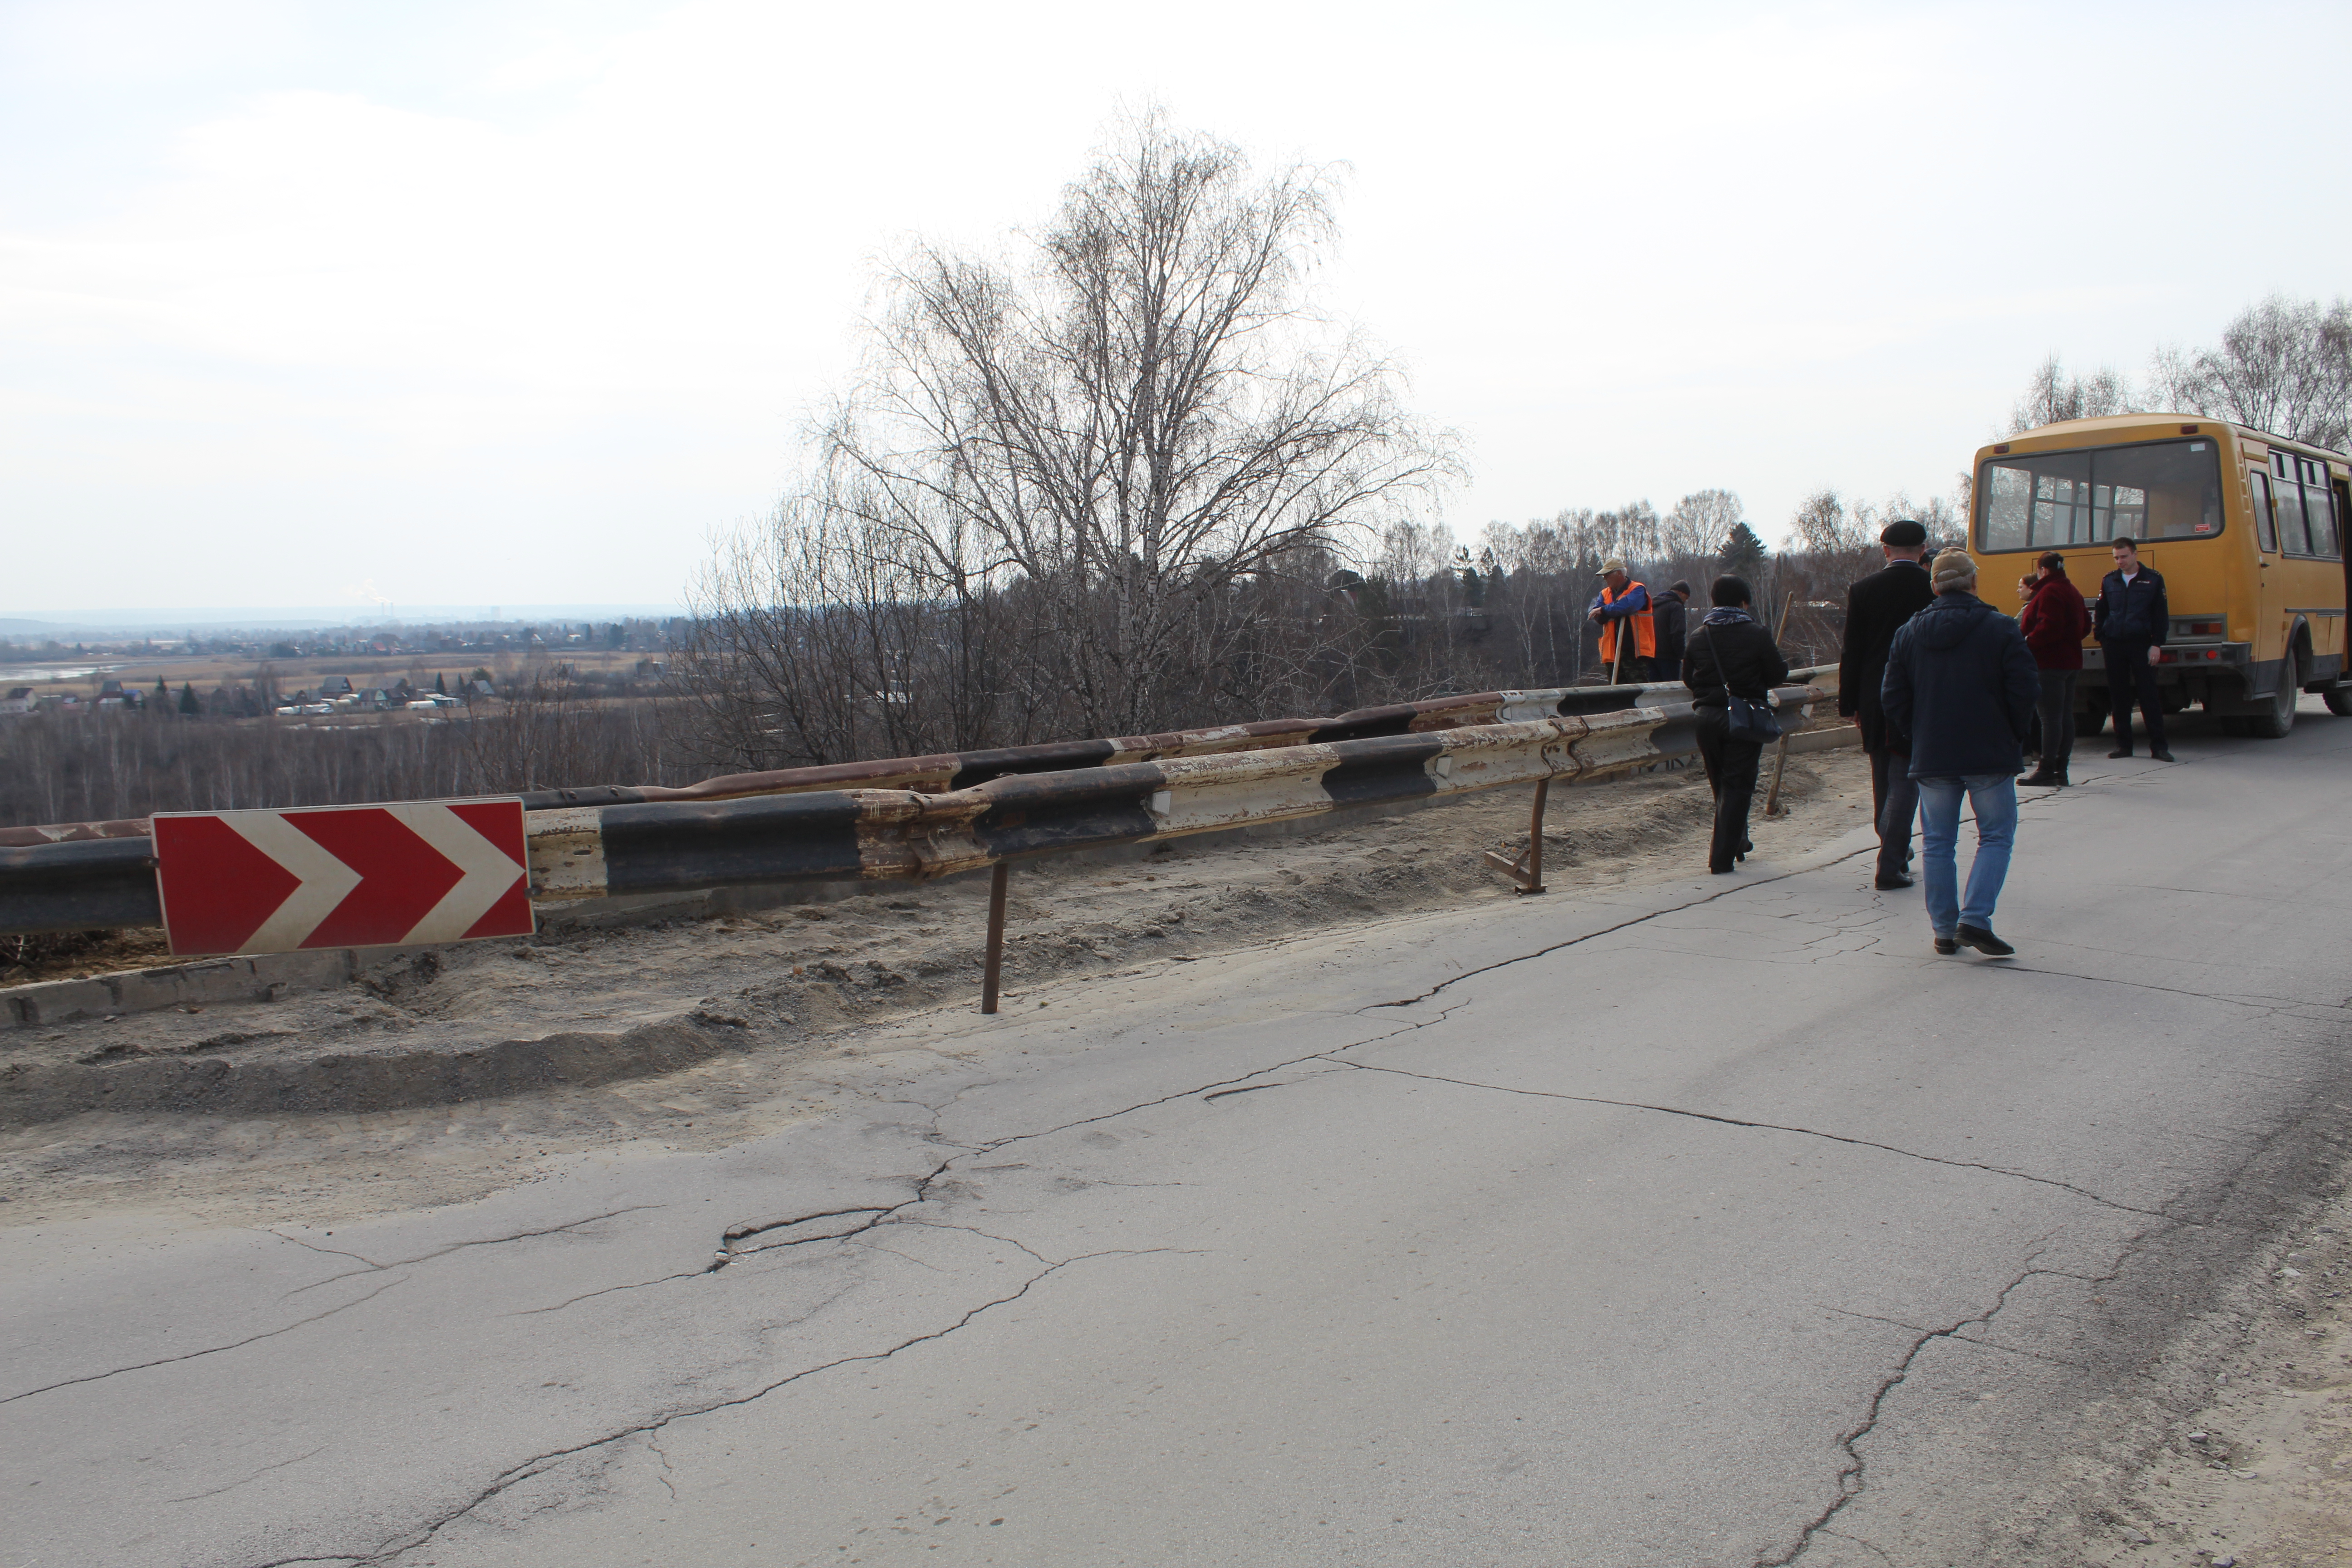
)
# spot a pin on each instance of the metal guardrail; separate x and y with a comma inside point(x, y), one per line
point(787, 828)
point(961, 770)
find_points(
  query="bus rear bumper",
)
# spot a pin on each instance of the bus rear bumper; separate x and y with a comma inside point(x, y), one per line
point(2223, 677)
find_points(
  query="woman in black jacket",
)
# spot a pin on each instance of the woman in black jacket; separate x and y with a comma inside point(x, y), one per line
point(1730, 653)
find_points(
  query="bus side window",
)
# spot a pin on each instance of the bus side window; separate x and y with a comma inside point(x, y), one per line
point(2258, 481)
point(2294, 536)
point(2327, 539)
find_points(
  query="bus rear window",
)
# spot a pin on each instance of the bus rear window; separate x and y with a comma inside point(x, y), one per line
point(2046, 500)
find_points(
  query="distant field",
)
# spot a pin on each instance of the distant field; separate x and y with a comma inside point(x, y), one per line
point(209, 670)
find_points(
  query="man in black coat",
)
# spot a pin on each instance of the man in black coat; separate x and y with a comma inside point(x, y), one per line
point(2131, 617)
point(1875, 608)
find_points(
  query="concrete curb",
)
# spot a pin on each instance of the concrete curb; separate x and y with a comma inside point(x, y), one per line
point(262, 978)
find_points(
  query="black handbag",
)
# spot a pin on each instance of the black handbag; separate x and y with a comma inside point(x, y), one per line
point(1744, 720)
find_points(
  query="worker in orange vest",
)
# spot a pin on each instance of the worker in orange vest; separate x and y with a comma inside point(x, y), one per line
point(1620, 600)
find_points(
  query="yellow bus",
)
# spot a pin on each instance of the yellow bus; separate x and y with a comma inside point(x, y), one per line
point(2247, 530)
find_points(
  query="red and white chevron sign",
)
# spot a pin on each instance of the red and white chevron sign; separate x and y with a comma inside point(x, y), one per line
point(342, 876)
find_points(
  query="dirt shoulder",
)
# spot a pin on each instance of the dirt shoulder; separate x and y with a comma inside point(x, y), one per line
point(2255, 1467)
point(464, 1069)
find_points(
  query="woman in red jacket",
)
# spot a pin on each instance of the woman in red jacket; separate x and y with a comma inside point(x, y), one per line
point(2054, 624)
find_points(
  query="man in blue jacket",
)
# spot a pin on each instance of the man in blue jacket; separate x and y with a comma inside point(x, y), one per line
point(1962, 684)
point(2131, 617)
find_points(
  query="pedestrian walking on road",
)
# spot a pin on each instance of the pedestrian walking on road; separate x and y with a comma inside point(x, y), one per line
point(1623, 602)
point(2054, 624)
point(2131, 617)
point(1730, 655)
point(1875, 608)
point(1962, 684)
point(1670, 621)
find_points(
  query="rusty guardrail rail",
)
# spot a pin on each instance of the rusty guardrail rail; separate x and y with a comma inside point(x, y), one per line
point(945, 771)
point(651, 845)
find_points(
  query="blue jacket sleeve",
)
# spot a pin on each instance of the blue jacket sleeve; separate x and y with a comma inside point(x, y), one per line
point(1635, 602)
point(2162, 613)
point(1894, 689)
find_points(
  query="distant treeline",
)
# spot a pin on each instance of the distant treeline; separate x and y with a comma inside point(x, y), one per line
point(102, 766)
point(909, 677)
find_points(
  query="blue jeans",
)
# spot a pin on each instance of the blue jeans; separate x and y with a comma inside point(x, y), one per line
point(1994, 796)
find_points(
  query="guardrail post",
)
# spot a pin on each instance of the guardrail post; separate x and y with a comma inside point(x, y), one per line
point(1781, 752)
point(995, 963)
point(1527, 869)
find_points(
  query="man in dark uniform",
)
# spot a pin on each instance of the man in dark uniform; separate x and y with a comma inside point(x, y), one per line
point(1875, 608)
point(1667, 614)
point(2131, 618)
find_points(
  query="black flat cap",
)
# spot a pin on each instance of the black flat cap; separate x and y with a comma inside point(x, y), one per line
point(1902, 533)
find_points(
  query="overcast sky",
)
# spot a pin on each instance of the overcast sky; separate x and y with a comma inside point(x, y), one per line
point(513, 302)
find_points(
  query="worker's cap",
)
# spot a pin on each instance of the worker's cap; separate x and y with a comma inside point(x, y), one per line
point(1953, 569)
point(1681, 587)
point(1902, 533)
point(1613, 564)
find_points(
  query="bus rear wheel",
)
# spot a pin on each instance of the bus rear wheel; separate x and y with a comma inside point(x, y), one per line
point(2339, 701)
point(2273, 723)
point(2093, 716)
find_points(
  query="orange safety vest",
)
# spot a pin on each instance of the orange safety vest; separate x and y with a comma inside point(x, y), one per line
point(1645, 628)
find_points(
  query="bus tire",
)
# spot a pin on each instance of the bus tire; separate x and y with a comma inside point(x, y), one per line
point(2273, 723)
point(2093, 716)
point(2338, 700)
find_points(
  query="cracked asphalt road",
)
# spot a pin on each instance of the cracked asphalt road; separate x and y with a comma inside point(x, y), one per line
point(1713, 1223)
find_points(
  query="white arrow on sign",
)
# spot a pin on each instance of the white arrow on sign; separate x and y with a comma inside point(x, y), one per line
point(489, 870)
point(325, 879)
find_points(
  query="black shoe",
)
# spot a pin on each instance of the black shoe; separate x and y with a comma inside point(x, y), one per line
point(1718, 870)
point(2125, 751)
point(1891, 882)
point(2162, 755)
point(2040, 778)
point(2061, 780)
point(1746, 847)
point(1948, 944)
point(1984, 942)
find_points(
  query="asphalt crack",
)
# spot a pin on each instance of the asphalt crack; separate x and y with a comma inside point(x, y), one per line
point(876, 1213)
point(610, 1289)
point(373, 1266)
point(1849, 1481)
point(209, 1349)
point(195, 1496)
point(538, 1463)
point(1625, 925)
point(1769, 1127)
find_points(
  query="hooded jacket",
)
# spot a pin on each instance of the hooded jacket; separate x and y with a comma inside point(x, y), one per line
point(1962, 684)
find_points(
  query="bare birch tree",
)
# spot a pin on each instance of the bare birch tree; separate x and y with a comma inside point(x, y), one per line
point(1146, 414)
point(1700, 522)
point(2053, 395)
point(2284, 367)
